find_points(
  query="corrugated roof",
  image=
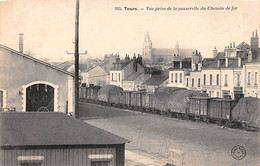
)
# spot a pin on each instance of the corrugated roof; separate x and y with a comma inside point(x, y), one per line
point(156, 80)
point(132, 76)
point(32, 129)
point(36, 60)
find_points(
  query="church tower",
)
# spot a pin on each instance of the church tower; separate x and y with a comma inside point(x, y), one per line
point(147, 47)
point(254, 44)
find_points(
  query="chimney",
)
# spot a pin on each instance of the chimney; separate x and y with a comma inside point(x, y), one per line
point(226, 60)
point(234, 45)
point(239, 61)
point(230, 45)
point(250, 57)
point(134, 63)
point(196, 52)
point(21, 42)
point(199, 66)
point(256, 33)
point(253, 34)
point(215, 52)
point(180, 64)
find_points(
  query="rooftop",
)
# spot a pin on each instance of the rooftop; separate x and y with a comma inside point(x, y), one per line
point(36, 129)
point(156, 80)
point(132, 76)
point(36, 60)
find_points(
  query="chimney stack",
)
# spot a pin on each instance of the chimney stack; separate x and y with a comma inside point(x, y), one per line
point(256, 33)
point(21, 42)
point(234, 45)
point(230, 45)
point(239, 61)
point(226, 60)
point(253, 34)
point(215, 52)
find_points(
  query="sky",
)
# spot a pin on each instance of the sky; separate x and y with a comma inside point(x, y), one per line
point(49, 26)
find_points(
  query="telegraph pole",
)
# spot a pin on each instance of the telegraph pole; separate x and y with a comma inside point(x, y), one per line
point(76, 54)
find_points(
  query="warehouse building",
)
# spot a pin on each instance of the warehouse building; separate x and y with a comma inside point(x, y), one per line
point(56, 139)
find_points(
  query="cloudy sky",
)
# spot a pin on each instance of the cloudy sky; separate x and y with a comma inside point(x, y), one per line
point(48, 25)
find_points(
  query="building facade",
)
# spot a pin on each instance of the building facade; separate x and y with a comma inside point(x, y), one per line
point(124, 68)
point(229, 74)
point(29, 84)
point(96, 76)
point(251, 79)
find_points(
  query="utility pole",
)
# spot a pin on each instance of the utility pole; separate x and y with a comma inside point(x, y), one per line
point(76, 55)
point(77, 61)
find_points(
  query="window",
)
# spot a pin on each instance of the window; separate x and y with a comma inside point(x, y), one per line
point(115, 76)
point(180, 77)
point(217, 80)
point(210, 79)
point(198, 82)
point(112, 77)
point(176, 77)
point(226, 77)
point(118, 76)
point(255, 78)
point(100, 163)
point(192, 82)
point(248, 79)
point(238, 80)
point(171, 77)
point(204, 81)
point(187, 83)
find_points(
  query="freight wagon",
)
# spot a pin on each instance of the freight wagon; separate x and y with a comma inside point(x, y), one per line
point(198, 109)
point(178, 103)
point(220, 110)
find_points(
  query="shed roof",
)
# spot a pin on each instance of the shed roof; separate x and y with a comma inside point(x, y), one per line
point(37, 129)
point(36, 60)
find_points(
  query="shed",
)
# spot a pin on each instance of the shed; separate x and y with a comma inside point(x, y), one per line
point(56, 139)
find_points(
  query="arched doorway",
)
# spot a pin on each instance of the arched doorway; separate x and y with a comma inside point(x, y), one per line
point(40, 98)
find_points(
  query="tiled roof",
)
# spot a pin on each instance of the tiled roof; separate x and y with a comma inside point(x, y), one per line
point(132, 76)
point(209, 62)
point(243, 46)
point(212, 63)
point(23, 128)
point(221, 55)
point(156, 80)
point(36, 60)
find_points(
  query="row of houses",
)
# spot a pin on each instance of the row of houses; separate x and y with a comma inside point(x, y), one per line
point(232, 73)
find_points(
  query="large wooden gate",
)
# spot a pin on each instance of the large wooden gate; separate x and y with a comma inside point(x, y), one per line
point(39, 97)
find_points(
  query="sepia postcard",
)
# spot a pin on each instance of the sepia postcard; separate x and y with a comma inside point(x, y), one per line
point(135, 83)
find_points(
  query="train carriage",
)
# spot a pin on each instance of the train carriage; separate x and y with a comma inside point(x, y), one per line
point(220, 110)
point(198, 109)
point(147, 101)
